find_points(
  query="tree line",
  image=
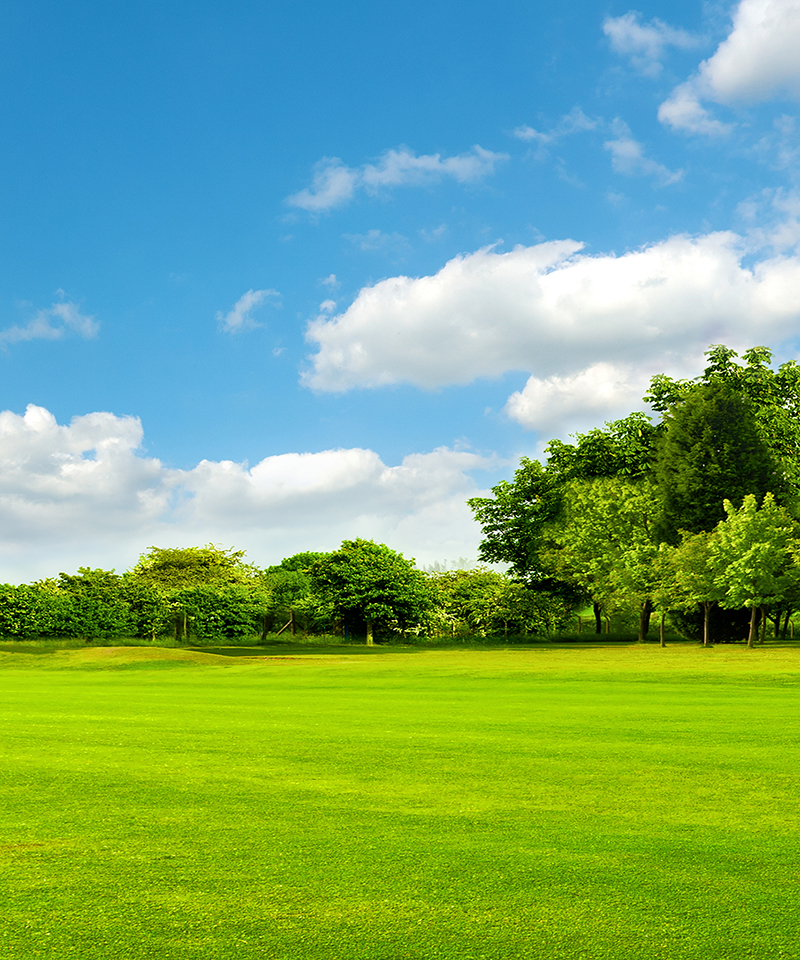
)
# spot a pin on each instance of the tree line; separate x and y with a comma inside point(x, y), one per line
point(364, 591)
point(694, 515)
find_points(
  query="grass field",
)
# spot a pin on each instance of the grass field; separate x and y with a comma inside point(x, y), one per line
point(545, 802)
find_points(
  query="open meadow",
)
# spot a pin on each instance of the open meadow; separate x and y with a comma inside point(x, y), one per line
point(573, 801)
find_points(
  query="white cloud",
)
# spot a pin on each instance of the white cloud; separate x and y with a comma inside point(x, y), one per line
point(560, 405)
point(327, 306)
point(240, 316)
point(627, 157)
point(684, 111)
point(83, 494)
point(560, 316)
point(645, 43)
point(54, 323)
point(575, 121)
point(331, 282)
point(335, 184)
point(376, 240)
point(757, 61)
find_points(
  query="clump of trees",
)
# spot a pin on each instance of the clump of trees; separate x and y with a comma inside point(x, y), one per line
point(362, 591)
point(694, 515)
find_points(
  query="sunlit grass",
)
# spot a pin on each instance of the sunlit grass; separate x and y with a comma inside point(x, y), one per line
point(309, 802)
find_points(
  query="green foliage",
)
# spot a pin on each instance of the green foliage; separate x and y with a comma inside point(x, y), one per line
point(515, 520)
point(97, 607)
point(366, 582)
point(602, 543)
point(482, 602)
point(712, 450)
point(35, 610)
point(208, 593)
point(221, 611)
point(625, 448)
point(773, 396)
point(168, 568)
point(753, 552)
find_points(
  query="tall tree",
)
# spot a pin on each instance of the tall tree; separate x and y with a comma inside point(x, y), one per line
point(773, 394)
point(517, 519)
point(711, 450)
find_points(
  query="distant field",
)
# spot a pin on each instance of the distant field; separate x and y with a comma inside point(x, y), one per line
point(548, 802)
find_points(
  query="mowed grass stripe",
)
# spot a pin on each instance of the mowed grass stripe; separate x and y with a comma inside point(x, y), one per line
point(603, 802)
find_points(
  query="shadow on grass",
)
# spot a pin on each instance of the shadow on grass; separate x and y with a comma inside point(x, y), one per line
point(295, 650)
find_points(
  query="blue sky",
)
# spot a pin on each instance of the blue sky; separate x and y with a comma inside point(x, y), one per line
point(275, 275)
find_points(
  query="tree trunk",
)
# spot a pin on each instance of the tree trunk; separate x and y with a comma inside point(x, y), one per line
point(644, 620)
point(370, 641)
point(752, 632)
point(598, 619)
point(706, 618)
point(763, 624)
point(786, 623)
point(264, 630)
point(661, 640)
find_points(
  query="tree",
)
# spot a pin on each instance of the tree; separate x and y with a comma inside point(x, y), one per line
point(774, 397)
point(603, 540)
point(711, 450)
point(367, 583)
point(290, 590)
point(517, 519)
point(98, 606)
point(696, 571)
point(753, 550)
point(178, 573)
point(170, 568)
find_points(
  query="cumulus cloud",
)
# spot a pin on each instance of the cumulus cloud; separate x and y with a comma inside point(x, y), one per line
point(556, 313)
point(558, 405)
point(628, 157)
point(756, 62)
point(240, 316)
point(85, 494)
point(335, 184)
point(645, 43)
point(53, 323)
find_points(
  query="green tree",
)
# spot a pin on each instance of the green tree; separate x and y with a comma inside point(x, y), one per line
point(517, 519)
point(170, 568)
point(711, 450)
point(99, 607)
point(753, 552)
point(696, 571)
point(603, 541)
point(367, 583)
point(774, 397)
point(176, 572)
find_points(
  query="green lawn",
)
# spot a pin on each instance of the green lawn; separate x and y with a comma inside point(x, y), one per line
point(544, 802)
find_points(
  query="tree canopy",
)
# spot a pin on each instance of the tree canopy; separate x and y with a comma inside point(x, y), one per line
point(711, 450)
point(367, 583)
